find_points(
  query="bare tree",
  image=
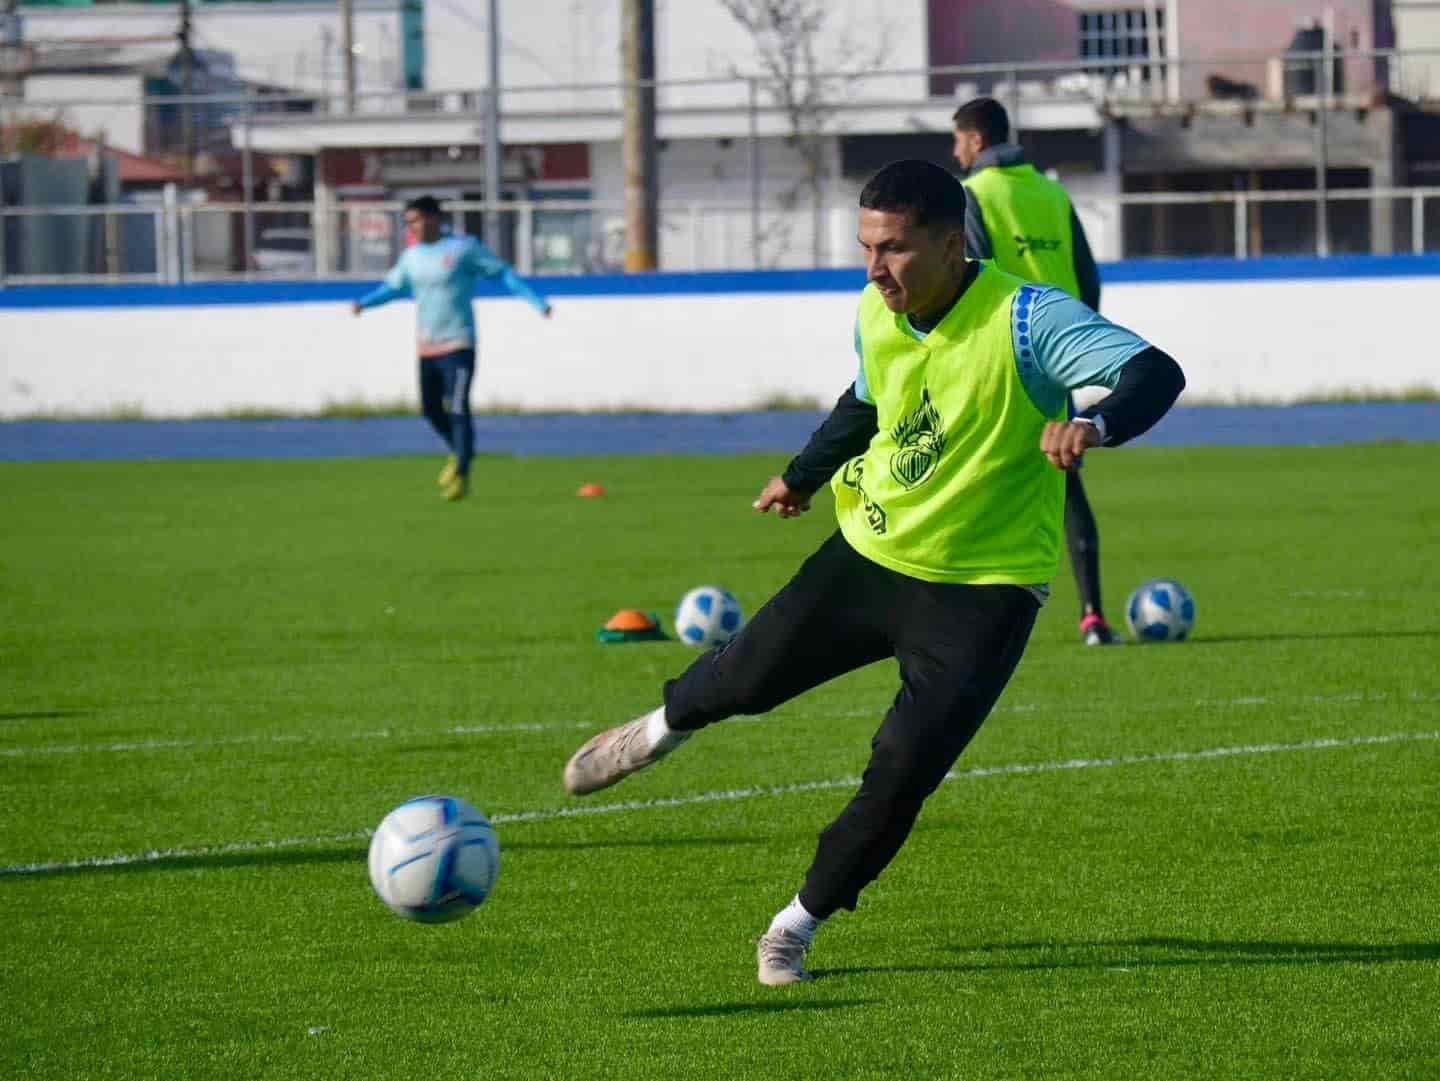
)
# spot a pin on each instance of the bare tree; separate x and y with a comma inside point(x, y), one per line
point(808, 74)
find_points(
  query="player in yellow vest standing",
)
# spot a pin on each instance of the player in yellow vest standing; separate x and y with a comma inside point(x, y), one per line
point(1023, 221)
point(947, 456)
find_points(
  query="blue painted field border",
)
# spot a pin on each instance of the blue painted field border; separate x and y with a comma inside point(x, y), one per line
point(842, 280)
point(779, 433)
point(846, 280)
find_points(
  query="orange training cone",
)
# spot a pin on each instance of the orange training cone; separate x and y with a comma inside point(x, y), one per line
point(631, 625)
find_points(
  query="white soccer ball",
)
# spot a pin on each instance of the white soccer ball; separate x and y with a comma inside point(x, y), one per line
point(708, 616)
point(1160, 610)
point(434, 859)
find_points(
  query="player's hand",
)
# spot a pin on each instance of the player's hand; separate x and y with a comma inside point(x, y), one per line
point(355, 308)
point(782, 499)
point(1066, 443)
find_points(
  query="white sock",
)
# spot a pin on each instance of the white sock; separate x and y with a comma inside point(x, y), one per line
point(797, 921)
point(659, 734)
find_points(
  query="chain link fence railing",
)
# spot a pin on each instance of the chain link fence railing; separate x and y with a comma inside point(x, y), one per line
point(172, 242)
point(1303, 111)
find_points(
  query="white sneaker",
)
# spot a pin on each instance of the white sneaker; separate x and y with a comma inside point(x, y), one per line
point(613, 755)
point(781, 959)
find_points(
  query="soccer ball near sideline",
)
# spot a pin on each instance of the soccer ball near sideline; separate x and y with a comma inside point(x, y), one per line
point(434, 859)
point(708, 616)
point(1160, 610)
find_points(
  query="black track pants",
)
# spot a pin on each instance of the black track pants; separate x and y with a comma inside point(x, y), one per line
point(957, 646)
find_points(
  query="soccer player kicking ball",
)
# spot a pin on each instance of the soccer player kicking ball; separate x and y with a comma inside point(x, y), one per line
point(441, 272)
point(948, 456)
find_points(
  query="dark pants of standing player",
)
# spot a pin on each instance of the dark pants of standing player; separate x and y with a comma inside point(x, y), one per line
point(445, 401)
point(1083, 540)
point(957, 646)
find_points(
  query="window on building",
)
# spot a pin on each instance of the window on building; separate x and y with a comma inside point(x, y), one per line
point(1121, 35)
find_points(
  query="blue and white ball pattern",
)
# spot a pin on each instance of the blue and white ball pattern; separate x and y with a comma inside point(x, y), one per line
point(1160, 610)
point(434, 859)
point(708, 616)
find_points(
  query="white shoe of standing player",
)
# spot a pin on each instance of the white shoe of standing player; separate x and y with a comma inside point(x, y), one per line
point(781, 959)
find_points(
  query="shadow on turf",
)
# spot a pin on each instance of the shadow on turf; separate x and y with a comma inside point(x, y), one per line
point(639, 842)
point(1162, 953)
point(45, 714)
point(729, 1009)
point(1231, 639)
point(210, 860)
point(357, 854)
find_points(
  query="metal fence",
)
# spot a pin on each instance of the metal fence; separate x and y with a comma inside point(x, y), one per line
point(165, 236)
point(171, 242)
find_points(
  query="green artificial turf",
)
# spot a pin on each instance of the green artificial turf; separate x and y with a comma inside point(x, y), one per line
point(225, 673)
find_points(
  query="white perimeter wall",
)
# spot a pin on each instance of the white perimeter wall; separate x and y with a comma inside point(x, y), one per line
point(1240, 341)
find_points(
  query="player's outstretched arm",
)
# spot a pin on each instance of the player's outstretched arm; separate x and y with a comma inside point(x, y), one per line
point(487, 264)
point(395, 285)
point(779, 497)
point(518, 286)
point(1147, 387)
point(846, 432)
point(1074, 346)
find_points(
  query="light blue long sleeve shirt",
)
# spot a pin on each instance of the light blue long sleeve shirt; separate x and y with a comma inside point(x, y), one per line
point(442, 277)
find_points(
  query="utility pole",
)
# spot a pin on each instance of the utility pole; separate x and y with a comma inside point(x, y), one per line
point(347, 48)
point(641, 187)
point(11, 38)
point(1325, 89)
point(187, 91)
point(493, 178)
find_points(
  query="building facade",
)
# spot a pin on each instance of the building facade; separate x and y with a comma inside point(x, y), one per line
point(1155, 102)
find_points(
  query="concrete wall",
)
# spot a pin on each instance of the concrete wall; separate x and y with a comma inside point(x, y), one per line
point(278, 44)
point(715, 174)
point(1417, 26)
point(544, 43)
point(1218, 27)
point(555, 42)
point(981, 31)
point(677, 342)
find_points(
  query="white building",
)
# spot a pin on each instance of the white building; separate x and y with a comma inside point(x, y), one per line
point(1165, 116)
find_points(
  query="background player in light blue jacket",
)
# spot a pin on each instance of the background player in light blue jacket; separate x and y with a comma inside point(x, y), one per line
point(440, 272)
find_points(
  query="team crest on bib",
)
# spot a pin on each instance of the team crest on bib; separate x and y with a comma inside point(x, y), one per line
point(919, 440)
point(853, 478)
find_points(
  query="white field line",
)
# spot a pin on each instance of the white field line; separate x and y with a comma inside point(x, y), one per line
point(381, 734)
point(730, 795)
point(285, 738)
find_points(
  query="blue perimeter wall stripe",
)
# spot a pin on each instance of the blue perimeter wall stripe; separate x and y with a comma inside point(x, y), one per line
point(846, 280)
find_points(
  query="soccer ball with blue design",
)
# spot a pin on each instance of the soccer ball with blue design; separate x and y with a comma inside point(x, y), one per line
point(434, 859)
point(1160, 610)
point(708, 616)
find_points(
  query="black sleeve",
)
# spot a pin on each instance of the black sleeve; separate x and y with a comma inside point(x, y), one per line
point(847, 431)
point(1087, 274)
point(1149, 384)
point(977, 237)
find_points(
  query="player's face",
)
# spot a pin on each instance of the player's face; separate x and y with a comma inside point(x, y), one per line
point(424, 227)
point(968, 146)
point(917, 268)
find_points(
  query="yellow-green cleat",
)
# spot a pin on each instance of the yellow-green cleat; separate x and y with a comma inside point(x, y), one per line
point(458, 487)
point(449, 473)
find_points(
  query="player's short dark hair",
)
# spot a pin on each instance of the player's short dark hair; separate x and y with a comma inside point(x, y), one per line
point(988, 117)
point(425, 204)
point(929, 192)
